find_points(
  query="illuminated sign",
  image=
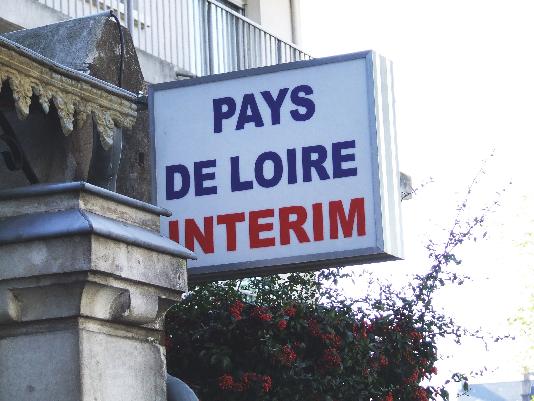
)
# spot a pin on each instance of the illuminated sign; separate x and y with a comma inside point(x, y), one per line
point(283, 168)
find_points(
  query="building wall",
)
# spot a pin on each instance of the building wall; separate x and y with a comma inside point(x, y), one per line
point(273, 15)
point(159, 62)
point(26, 14)
point(503, 391)
point(276, 17)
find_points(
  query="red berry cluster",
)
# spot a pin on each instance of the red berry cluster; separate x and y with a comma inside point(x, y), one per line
point(290, 311)
point(330, 359)
point(383, 361)
point(282, 324)
point(331, 338)
point(236, 308)
point(421, 394)
point(416, 336)
point(267, 384)
point(362, 329)
point(413, 378)
point(287, 355)
point(261, 313)
point(226, 382)
point(388, 397)
point(313, 327)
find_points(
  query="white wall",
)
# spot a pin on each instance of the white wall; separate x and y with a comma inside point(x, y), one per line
point(253, 10)
point(273, 15)
point(28, 13)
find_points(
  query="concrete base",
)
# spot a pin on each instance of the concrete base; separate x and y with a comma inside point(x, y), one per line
point(81, 360)
point(85, 281)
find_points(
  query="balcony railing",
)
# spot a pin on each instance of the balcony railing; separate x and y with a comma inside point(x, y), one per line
point(201, 37)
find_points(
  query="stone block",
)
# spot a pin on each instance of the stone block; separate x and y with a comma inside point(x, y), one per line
point(85, 283)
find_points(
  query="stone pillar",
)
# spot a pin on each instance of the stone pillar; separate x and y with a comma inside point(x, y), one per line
point(85, 281)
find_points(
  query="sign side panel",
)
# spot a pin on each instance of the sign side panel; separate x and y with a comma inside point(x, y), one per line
point(387, 156)
point(374, 131)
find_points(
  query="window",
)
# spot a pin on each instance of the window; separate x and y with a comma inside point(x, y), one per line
point(231, 5)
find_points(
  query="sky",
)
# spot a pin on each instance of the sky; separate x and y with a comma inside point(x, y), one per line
point(464, 79)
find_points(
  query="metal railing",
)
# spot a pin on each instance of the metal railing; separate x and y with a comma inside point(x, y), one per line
point(201, 37)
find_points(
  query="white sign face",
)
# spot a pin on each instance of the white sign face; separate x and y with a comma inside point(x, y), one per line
point(283, 168)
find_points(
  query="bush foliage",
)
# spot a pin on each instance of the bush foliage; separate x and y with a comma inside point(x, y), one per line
point(297, 337)
point(231, 349)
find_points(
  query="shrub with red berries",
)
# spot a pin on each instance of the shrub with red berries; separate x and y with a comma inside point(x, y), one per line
point(229, 348)
point(298, 338)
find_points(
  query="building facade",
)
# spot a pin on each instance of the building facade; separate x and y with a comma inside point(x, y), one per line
point(183, 38)
point(502, 391)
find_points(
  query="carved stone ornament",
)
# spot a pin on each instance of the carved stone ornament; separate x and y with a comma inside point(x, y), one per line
point(73, 98)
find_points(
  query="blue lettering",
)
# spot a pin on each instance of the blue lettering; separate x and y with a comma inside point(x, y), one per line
point(259, 169)
point(236, 183)
point(302, 101)
point(249, 113)
point(170, 173)
point(275, 105)
point(292, 166)
point(338, 171)
point(317, 163)
point(201, 176)
point(219, 114)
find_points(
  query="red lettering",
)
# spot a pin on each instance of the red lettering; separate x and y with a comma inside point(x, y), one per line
point(230, 221)
point(173, 231)
point(255, 228)
point(261, 225)
point(204, 239)
point(318, 225)
point(337, 214)
point(287, 225)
